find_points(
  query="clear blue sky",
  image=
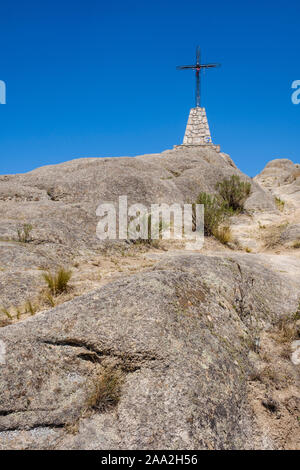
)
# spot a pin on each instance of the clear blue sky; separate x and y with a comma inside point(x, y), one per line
point(93, 78)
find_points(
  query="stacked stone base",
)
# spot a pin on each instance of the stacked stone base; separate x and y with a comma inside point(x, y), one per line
point(217, 148)
point(197, 133)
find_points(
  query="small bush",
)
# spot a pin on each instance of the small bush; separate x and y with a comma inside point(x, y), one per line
point(296, 244)
point(57, 283)
point(234, 192)
point(214, 212)
point(24, 233)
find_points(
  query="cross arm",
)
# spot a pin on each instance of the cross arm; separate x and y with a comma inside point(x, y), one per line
point(208, 66)
point(182, 67)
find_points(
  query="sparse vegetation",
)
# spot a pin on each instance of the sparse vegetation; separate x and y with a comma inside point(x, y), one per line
point(214, 212)
point(296, 244)
point(174, 173)
point(49, 299)
point(107, 391)
point(279, 203)
point(149, 241)
point(6, 313)
point(272, 235)
point(223, 234)
point(234, 192)
point(16, 311)
point(287, 329)
point(57, 283)
point(30, 308)
point(24, 233)
point(266, 375)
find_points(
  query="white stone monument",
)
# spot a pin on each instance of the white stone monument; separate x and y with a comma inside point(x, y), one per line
point(197, 133)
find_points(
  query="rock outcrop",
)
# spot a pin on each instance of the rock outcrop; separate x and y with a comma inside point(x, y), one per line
point(60, 203)
point(282, 178)
point(181, 350)
point(180, 336)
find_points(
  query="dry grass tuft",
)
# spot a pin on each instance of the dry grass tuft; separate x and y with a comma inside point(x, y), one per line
point(49, 299)
point(24, 233)
point(30, 308)
point(6, 313)
point(107, 391)
point(286, 331)
point(58, 282)
point(296, 244)
point(267, 375)
point(223, 234)
point(286, 351)
point(17, 311)
point(279, 204)
point(272, 233)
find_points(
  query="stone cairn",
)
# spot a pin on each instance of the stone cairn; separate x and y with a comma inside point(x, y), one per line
point(197, 131)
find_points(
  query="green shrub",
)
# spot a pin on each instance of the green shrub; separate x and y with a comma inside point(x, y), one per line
point(234, 192)
point(58, 282)
point(214, 212)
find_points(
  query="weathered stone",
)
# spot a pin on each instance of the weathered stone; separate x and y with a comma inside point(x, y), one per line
point(178, 338)
point(181, 334)
point(198, 126)
point(64, 218)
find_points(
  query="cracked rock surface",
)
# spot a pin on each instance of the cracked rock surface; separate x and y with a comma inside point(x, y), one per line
point(180, 340)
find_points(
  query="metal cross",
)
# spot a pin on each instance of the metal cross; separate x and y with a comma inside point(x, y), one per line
point(198, 67)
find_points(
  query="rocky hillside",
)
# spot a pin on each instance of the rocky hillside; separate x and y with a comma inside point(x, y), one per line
point(60, 202)
point(148, 347)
